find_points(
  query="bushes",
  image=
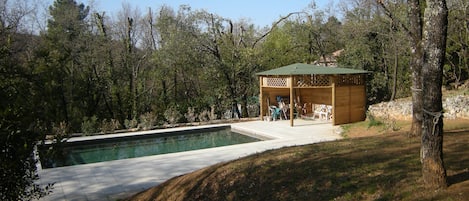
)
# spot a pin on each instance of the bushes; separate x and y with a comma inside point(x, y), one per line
point(204, 116)
point(387, 123)
point(109, 126)
point(191, 116)
point(89, 125)
point(172, 115)
point(130, 123)
point(147, 121)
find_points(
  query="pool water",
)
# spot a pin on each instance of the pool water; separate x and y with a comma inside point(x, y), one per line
point(114, 149)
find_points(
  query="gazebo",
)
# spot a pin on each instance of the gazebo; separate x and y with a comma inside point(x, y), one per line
point(342, 89)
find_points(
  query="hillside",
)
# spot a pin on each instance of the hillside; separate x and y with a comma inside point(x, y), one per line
point(377, 167)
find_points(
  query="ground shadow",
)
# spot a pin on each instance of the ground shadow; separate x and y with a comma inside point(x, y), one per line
point(458, 178)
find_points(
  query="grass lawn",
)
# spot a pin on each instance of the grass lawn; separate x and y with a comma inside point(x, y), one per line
point(372, 163)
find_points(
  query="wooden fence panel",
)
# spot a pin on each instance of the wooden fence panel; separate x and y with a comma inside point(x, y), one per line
point(350, 102)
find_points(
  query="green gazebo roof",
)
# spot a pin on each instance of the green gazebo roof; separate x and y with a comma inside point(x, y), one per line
point(309, 69)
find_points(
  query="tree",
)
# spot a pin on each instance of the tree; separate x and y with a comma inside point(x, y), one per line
point(434, 47)
point(416, 63)
point(18, 117)
point(179, 60)
point(414, 33)
point(428, 45)
point(457, 53)
point(60, 64)
point(368, 37)
point(234, 49)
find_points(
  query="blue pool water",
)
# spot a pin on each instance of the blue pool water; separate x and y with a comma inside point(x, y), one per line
point(85, 152)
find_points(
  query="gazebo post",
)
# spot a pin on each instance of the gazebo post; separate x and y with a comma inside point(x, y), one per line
point(291, 100)
point(333, 99)
point(261, 99)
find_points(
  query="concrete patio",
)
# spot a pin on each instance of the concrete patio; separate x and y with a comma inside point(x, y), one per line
point(121, 178)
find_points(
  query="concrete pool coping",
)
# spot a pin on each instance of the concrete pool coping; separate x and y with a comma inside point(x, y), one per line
point(118, 179)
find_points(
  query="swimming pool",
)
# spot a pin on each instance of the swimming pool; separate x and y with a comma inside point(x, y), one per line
point(107, 149)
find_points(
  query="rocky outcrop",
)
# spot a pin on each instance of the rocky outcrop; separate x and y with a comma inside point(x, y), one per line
point(454, 107)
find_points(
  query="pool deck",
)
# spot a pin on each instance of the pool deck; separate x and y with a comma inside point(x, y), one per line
point(121, 178)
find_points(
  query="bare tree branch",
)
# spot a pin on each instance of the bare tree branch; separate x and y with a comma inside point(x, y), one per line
point(394, 18)
point(274, 26)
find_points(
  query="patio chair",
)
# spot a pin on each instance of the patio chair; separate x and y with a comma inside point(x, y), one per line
point(323, 111)
point(275, 111)
point(284, 108)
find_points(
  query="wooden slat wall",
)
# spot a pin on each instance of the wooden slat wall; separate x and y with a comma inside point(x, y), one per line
point(316, 95)
point(350, 103)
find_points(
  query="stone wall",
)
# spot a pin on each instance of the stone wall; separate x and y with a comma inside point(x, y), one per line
point(454, 107)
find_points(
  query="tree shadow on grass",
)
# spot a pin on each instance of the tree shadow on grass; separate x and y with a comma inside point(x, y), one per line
point(456, 158)
point(458, 178)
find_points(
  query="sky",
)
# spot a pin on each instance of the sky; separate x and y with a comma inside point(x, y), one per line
point(259, 12)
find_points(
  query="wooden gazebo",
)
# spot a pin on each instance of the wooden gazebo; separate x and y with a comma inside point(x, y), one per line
point(343, 89)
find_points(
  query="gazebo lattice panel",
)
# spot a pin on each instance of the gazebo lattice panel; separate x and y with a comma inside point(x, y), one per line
point(276, 82)
point(350, 80)
point(320, 80)
point(312, 80)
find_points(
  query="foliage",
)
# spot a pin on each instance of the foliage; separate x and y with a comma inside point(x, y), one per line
point(147, 121)
point(124, 67)
point(18, 167)
point(385, 124)
point(456, 68)
point(109, 126)
point(190, 115)
point(132, 123)
point(89, 126)
point(372, 121)
point(213, 115)
point(20, 123)
point(204, 116)
point(84, 67)
point(59, 67)
point(172, 115)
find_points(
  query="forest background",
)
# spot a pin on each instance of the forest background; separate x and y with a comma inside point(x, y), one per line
point(86, 71)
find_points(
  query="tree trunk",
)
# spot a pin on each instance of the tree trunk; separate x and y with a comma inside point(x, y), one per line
point(244, 106)
point(434, 45)
point(416, 63)
point(394, 79)
point(130, 65)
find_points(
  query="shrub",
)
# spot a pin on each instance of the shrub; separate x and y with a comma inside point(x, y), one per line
point(373, 121)
point(130, 123)
point(60, 131)
point(204, 116)
point(172, 115)
point(109, 126)
point(190, 115)
point(253, 110)
point(390, 124)
point(89, 125)
point(213, 115)
point(147, 121)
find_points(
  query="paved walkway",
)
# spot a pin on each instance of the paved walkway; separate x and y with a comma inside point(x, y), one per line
point(121, 178)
